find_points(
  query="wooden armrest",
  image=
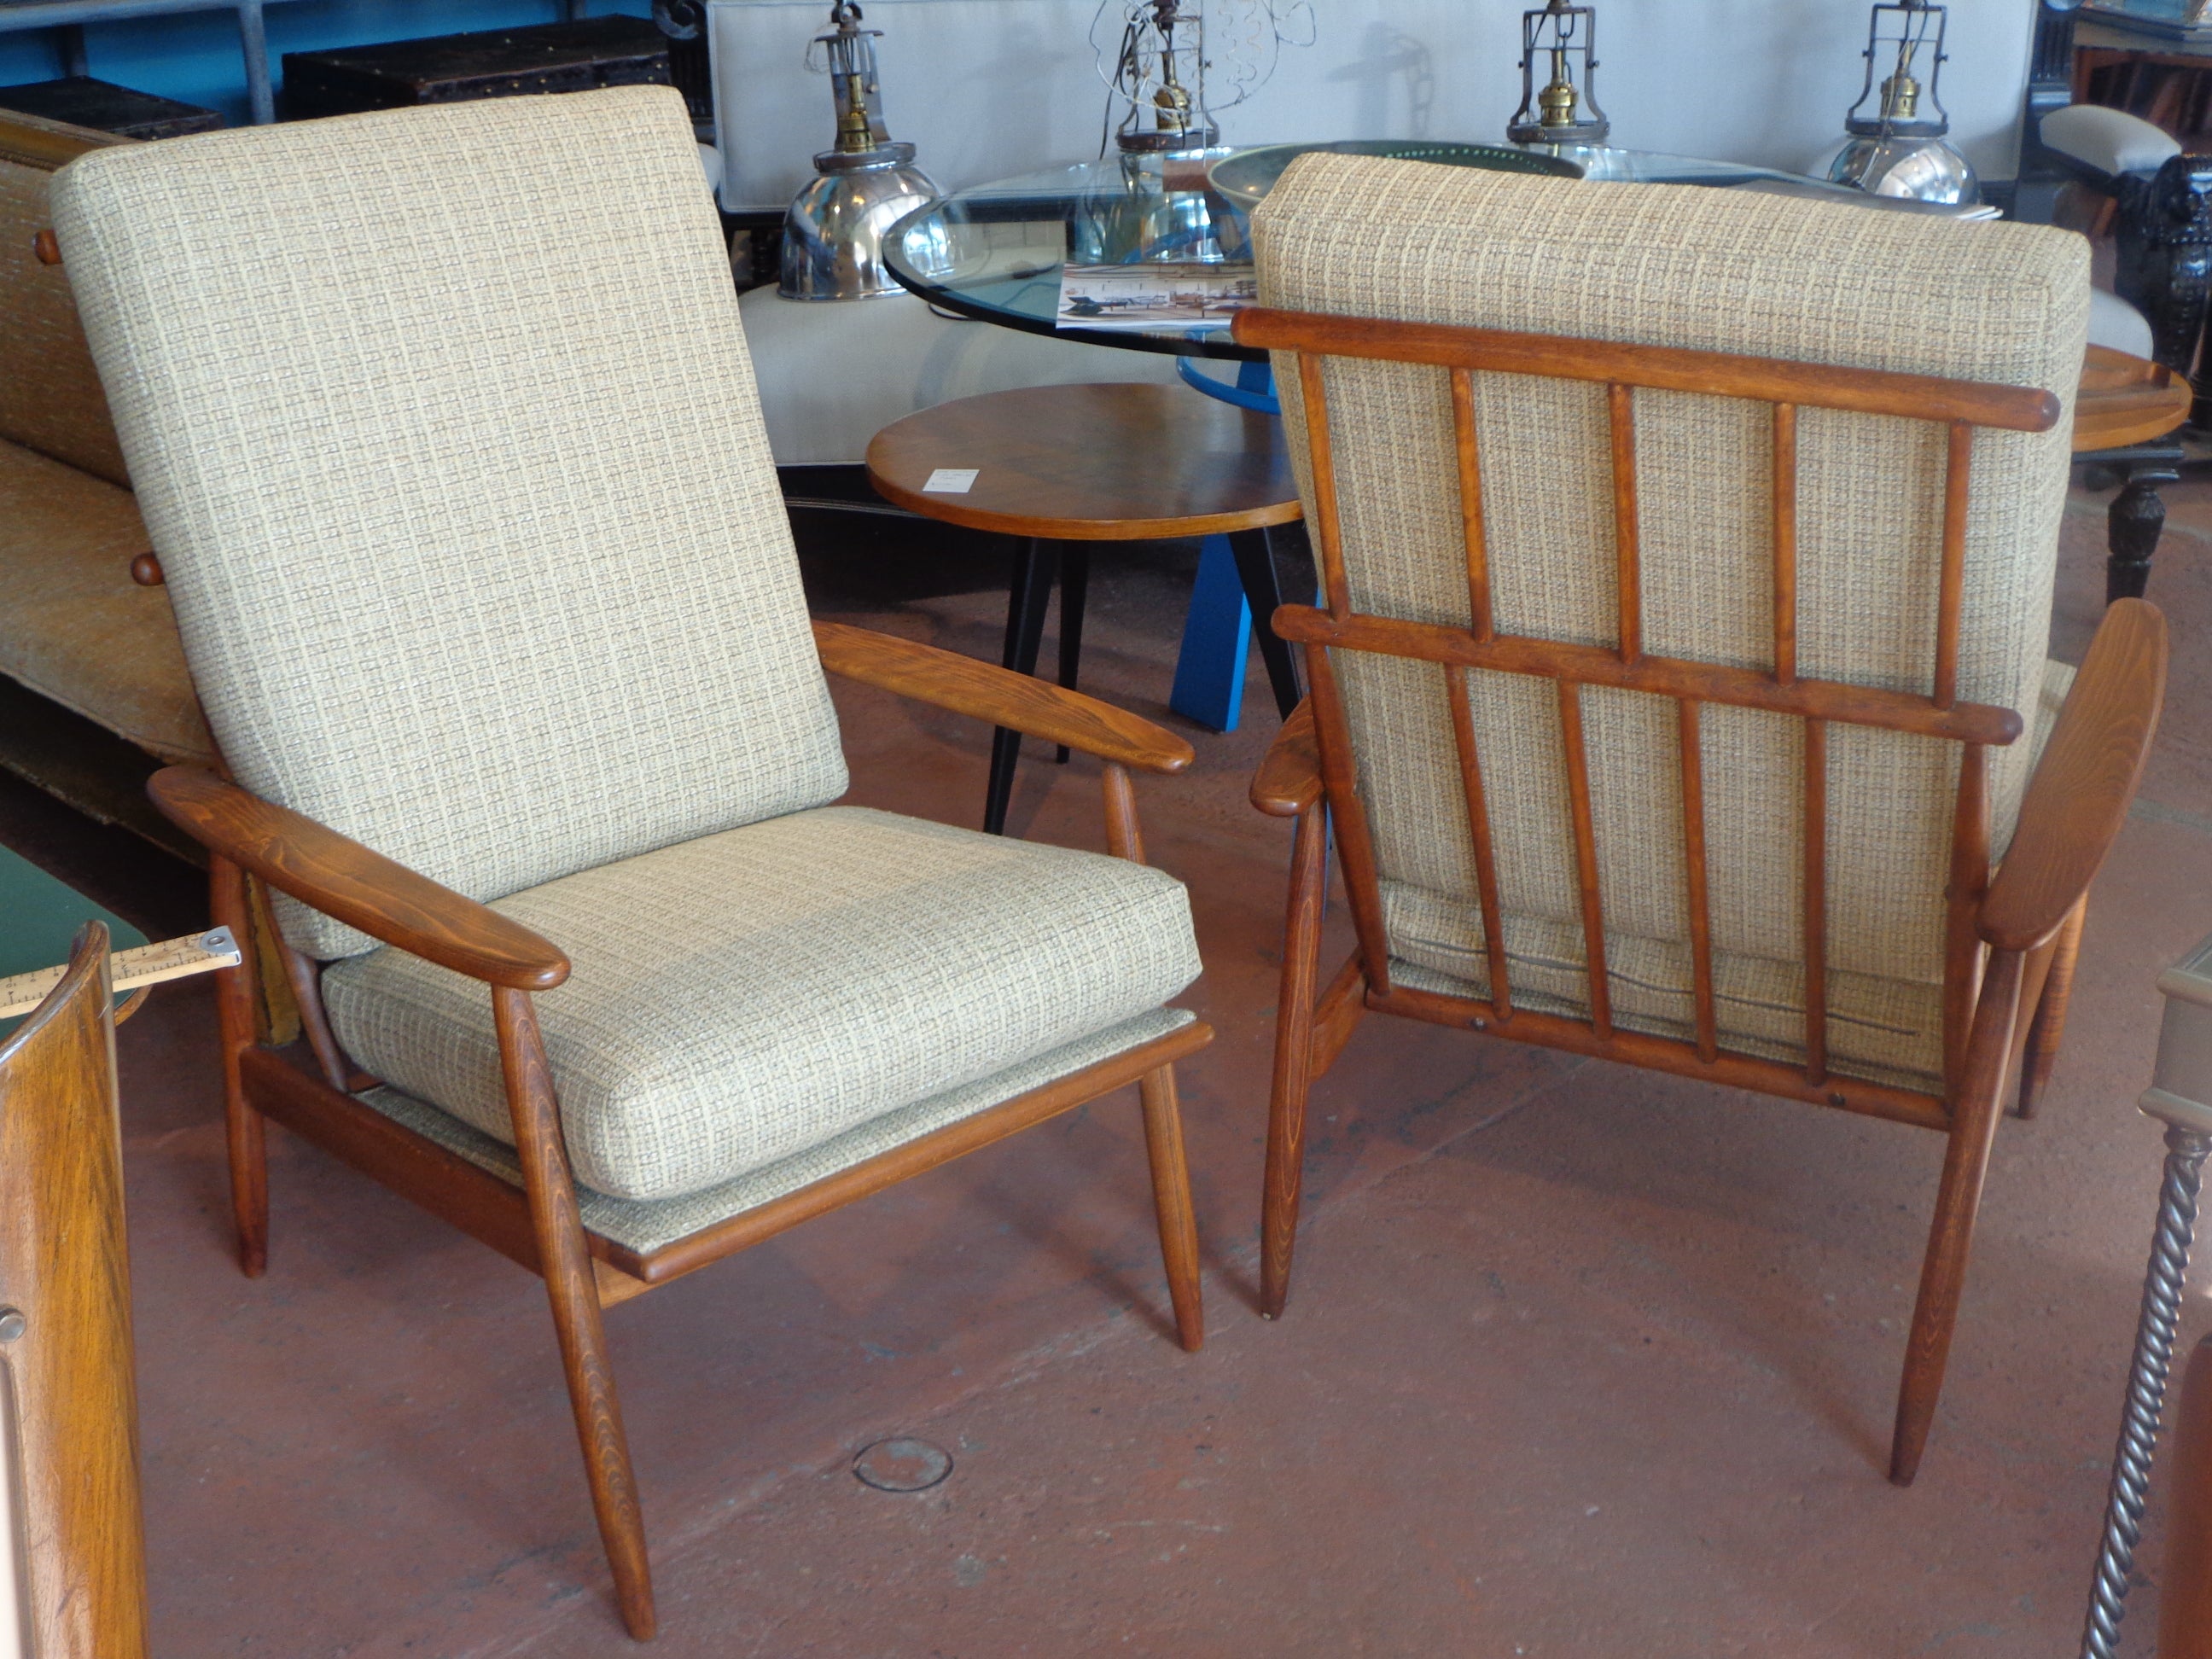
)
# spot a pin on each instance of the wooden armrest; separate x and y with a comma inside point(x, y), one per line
point(966, 686)
point(2079, 793)
point(1288, 781)
point(359, 887)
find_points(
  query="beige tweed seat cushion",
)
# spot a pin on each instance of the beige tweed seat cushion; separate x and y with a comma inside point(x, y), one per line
point(1707, 270)
point(74, 627)
point(742, 999)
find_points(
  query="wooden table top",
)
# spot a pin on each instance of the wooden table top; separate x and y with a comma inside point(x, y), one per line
point(2126, 400)
point(1092, 463)
point(1131, 462)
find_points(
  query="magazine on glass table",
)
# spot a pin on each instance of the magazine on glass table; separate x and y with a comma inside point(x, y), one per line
point(1154, 295)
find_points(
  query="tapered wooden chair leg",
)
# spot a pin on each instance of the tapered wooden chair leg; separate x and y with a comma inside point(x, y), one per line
point(1293, 1075)
point(1958, 1200)
point(569, 1286)
point(2048, 1025)
point(1172, 1200)
point(243, 1131)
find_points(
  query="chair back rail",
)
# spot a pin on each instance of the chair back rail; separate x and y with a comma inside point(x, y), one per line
point(1961, 406)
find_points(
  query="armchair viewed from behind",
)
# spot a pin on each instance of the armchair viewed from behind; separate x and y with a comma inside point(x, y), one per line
point(1679, 676)
point(445, 433)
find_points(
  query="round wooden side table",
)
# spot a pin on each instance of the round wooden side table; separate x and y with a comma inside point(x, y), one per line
point(2124, 413)
point(1058, 466)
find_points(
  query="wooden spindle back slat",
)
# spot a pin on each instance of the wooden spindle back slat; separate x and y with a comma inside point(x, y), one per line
point(1816, 901)
point(1687, 713)
point(1336, 592)
point(1952, 581)
point(1621, 417)
point(1355, 841)
point(1586, 870)
point(1785, 542)
point(1969, 880)
point(1485, 855)
point(1470, 505)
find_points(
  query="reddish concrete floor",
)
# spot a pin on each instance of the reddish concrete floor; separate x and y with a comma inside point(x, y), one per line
point(1579, 1361)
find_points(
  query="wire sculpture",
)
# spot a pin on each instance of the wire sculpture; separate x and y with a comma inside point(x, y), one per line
point(1172, 66)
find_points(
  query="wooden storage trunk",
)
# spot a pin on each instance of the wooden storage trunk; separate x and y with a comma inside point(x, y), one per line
point(102, 107)
point(449, 69)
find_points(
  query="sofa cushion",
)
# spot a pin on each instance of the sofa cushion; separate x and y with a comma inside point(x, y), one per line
point(50, 396)
point(739, 999)
point(74, 627)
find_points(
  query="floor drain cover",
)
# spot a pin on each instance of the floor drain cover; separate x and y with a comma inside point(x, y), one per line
point(903, 1465)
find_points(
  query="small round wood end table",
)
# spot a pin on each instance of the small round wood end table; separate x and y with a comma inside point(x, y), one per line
point(1058, 466)
point(2123, 414)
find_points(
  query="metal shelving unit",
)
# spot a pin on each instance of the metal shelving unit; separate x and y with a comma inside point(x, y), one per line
point(67, 18)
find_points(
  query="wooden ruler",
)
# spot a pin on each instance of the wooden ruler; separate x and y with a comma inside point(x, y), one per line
point(147, 964)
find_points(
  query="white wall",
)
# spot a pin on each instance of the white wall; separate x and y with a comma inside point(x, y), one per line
point(990, 87)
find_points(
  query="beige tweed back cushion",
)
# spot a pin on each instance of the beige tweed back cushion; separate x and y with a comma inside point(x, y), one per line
point(1711, 270)
point(443, 426)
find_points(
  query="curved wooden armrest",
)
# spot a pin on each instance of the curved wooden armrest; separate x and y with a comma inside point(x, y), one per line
point(1288, 781)
point(359, 887)
point(966, 686)
point(2079, 793)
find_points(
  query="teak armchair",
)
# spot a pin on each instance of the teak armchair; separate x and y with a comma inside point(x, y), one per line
point(447, 440)
point(1602, 774)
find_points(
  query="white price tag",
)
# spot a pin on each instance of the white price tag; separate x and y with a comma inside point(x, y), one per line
point(950, 481)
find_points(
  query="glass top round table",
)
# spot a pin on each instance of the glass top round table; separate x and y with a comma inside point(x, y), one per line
point(996, 252)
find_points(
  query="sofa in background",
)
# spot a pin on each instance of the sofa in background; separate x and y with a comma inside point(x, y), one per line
point(94, 690)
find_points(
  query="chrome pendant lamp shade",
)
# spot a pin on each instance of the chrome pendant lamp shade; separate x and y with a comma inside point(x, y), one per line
point(834, 233)
point(1897, 145)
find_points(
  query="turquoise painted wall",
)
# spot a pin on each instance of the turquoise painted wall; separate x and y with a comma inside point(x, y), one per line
point(194, 56)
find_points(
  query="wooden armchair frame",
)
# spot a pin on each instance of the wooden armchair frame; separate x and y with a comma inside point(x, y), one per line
point(2010, 940)
point(308, 1087)
point(71, 1436)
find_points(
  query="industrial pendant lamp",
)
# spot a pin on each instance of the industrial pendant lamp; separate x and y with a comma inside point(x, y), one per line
point(1897, 145)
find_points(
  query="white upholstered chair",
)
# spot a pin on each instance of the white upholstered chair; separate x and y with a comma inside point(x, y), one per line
point(443, 428)
point(1680, 680)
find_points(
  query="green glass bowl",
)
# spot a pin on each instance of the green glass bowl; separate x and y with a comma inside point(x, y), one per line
point(1250, 174)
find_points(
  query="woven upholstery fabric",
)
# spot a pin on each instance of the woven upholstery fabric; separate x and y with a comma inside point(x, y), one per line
point(1887, 1029)
point(647, 1224)
point(1709, 270)
point(50, 396)
point(740, 998)
point(441, 423)
point(74, 628)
